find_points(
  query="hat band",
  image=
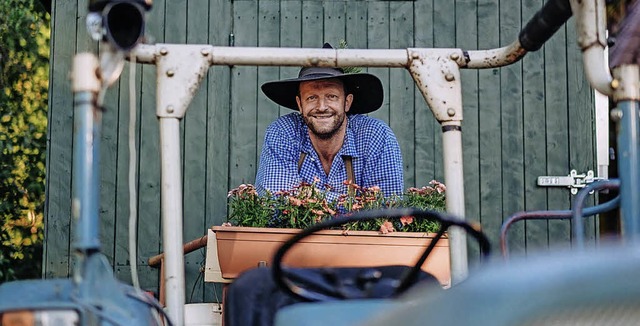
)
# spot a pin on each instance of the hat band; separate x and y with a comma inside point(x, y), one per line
point(320, 71)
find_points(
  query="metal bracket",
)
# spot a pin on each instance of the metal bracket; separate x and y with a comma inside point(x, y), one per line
point(574, 181)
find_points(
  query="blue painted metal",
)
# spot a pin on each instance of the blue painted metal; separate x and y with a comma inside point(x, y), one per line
point(579, 212)
point(86, 177)
point(96, 296)
point(629, 169)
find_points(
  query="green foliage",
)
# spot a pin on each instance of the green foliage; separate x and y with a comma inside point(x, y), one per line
point(306, 204)
point(24, 83)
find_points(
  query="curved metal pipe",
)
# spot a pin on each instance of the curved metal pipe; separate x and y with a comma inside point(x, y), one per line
point(492, 58)
point(578, 203)
point(550, 215)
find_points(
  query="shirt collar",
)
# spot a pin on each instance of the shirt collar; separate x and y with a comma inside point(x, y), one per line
point(348, 148)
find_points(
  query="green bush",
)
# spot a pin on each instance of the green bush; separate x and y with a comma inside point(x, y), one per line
point(24, 83)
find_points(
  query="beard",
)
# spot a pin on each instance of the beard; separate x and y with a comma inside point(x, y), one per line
point(327, 128)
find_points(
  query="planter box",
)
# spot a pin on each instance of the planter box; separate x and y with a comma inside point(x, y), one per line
point(232, 250)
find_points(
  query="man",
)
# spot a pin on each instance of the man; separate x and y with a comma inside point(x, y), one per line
point(328, 138)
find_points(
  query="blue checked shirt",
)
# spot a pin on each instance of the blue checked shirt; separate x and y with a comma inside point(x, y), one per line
point(370, 142)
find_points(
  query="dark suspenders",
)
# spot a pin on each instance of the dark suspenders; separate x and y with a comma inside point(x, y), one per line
point(348, 165)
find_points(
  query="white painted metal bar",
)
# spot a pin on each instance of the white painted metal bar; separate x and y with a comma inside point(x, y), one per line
point(436, 73)
point(171, 198)
point(590, 26)
point(454, 179)
point(480, 59)
point(399, 58)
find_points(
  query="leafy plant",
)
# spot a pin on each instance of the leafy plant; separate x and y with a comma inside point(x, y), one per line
point(306, 204)
point(24, 82)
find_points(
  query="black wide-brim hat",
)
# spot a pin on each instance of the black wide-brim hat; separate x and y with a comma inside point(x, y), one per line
point(366, 88)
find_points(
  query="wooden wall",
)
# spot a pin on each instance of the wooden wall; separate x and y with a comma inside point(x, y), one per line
point(529, 119)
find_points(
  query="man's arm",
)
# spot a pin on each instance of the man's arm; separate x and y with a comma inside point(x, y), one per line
point(278, 169)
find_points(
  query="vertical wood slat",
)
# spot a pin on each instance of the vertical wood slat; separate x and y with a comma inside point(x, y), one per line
point(489, 124)
point(312, 24)
point(581, 123)
point(291, 19)
point(512, 126)
point(243, 127)
point(195, 160)
point(425, 125)
point(401, 104)
point(444, 29)
point(268, 36)
point(466, 21)
point(149, 219)
point(218, 129)
point(378, 38)
point(59, 151)
point(334, 22)
point(533, 89)
point(557, 133)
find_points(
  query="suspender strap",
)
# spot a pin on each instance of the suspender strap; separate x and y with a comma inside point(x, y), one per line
point(348, 165)
point(301, 160)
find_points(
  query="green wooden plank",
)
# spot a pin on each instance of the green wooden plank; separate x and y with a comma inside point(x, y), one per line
point(378, 38)
point(290, 36)
point(426, 126)
point(84, 43)
point(149, 232)
point(557, 133)
point(512, 126)
point(217, 140)
point(312, 24)
point(243, 99)
point(356, 25)
point(534, 138)
point(581, 108)
point(59, 152)
point(467, 20)
point(269, 36)
point(109, 172)
point(444, 34)
point(195, 150)
point(334, 22)
point(401, 99)
point(121, 164)
point(490, 162)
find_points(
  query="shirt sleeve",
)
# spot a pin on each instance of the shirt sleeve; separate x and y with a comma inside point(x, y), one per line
point(384, 166)
point(278, 169)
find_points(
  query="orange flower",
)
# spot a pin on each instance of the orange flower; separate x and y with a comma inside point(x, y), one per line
point(406, 220)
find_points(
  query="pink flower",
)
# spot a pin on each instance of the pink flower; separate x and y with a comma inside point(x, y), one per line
point(295, 201)
point(386, 227)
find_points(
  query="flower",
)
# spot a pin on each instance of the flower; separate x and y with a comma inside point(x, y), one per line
point(306, 204)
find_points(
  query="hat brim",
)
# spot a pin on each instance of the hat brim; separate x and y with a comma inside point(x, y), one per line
point(366, 89)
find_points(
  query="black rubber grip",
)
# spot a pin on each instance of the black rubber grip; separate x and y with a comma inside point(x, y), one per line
point(544, 24)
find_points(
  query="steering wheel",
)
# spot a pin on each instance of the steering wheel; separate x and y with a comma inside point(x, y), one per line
point(342, 283)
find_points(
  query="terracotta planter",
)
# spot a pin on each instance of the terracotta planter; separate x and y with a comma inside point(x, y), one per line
point(240, 248)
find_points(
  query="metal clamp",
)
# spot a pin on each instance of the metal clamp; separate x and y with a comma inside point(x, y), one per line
point(574, 181)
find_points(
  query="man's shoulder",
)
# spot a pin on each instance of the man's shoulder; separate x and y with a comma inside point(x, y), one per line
point(363, 123)
point(289, 122)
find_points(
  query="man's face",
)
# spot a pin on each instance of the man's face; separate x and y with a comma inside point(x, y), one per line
point(323, 105)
